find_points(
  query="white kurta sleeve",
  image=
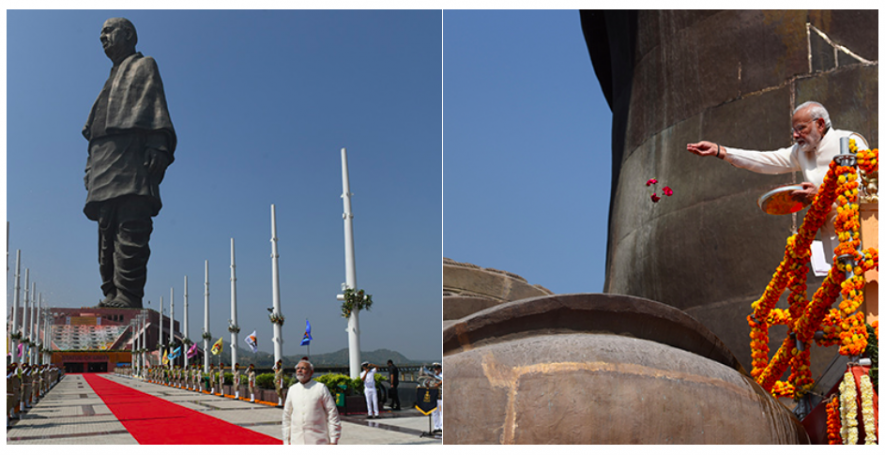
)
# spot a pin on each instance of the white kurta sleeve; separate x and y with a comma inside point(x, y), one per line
point(780, 161)
point(332, 420)
point(287, 419)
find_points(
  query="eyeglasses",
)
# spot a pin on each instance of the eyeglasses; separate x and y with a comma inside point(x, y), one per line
point(799, 129)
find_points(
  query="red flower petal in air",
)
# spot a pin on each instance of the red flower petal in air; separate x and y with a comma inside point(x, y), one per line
point(651, 182)
point(668, 191)
point(655, 197)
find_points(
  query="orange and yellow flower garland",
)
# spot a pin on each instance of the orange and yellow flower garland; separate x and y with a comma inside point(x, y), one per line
point(834, 423)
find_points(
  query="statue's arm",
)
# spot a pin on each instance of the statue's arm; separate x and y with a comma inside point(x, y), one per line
point(157, 155)
point(86, 172)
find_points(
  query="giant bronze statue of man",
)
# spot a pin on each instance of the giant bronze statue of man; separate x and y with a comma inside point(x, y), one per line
point(131, 142)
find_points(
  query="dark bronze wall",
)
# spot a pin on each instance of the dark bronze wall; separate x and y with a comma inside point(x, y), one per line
point(733, 77)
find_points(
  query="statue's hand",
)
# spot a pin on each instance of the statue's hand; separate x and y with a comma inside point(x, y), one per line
point(157, 161)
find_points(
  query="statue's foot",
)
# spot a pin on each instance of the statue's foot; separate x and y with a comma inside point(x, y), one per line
point(107, 299)
point(122, 300)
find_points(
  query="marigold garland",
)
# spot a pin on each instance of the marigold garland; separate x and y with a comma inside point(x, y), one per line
point(866, 405)
point(782, 389)
point(831, 328)
point(834, 423)
point(854, 335)
point(848, 410)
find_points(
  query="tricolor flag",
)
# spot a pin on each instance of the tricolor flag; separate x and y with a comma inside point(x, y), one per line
point(192, 351)
point(218, 346)
point(252, 341)
point(306, 339)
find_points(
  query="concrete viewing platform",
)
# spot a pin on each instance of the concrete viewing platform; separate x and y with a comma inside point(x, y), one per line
point(73, 413)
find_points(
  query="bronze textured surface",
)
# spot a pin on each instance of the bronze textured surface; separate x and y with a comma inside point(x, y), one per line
point(600, 369)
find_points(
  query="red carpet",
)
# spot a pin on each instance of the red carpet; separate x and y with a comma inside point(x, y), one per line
point(152, 420)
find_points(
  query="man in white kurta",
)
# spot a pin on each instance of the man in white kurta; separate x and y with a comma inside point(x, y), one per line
point(815, 143)
point(309, 415)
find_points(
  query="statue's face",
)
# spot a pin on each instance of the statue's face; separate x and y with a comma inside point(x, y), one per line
point(114, 38)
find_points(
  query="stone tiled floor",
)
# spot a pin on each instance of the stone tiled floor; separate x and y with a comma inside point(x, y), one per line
point(71, 413)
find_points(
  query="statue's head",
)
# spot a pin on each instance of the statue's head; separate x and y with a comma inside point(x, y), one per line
point(118, 38)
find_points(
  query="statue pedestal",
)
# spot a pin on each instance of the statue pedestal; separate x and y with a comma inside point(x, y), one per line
point(869, 235)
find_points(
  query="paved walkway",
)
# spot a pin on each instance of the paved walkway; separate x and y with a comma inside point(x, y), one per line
point(71, 413)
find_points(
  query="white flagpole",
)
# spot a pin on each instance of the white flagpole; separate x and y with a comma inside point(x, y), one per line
point(160, 344)
point(185, 346)
point(26, 306)
point(206, 323)
point(33, 336)
point(275, 277)
point(171, 322)
point(15, 299)
point(353, 322)
point(233, 329)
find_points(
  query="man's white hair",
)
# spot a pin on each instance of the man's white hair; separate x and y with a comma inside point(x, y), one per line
point(816, 110)
point(308, 364)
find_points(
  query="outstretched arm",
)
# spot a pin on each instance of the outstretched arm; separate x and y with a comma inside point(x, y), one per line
point(706, 148)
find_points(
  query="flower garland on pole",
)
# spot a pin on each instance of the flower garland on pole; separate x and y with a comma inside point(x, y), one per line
point(355, 300)
point(815, 320)
point(834, 422)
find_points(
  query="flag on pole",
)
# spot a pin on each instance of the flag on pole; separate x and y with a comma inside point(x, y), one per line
point(218, 346)
point(21, 350)
point(192, 351)
point(175, 353)
point(306, 339)
point(165, 357)
point(252, 341)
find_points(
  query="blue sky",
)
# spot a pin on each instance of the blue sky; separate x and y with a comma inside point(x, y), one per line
point(262, 102)
point(527, 139)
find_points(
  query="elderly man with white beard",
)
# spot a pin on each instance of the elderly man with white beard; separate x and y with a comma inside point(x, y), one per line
point(309, 415)
point(815, 145)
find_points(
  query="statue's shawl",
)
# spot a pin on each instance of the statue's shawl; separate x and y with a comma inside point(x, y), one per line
point(136, 101)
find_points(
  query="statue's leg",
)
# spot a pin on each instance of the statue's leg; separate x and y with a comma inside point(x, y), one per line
point(106, 234)
point(131, 251)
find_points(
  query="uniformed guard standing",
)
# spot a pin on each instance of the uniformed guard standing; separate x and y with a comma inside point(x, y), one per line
point(13, 394)
point(212, 378)
point(45, 379)
point(251, 382)
point(38, 382)
point(278, 381)
point(236, 381)
point(26, 387)
point(221, 379)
